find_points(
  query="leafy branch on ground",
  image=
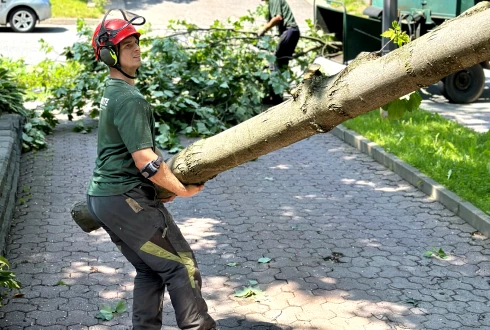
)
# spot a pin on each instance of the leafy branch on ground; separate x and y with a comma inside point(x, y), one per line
point(107, 313)
point(434, 252)
point(249, 291)
point(199, 81)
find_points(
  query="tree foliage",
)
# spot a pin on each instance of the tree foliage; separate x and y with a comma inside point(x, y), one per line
point(199, 81)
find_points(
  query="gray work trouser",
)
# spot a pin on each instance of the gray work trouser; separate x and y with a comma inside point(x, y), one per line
point(148, 237)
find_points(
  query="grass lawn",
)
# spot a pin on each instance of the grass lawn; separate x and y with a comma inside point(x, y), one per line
point(354, 7)
point(75, 9)
point(451, 154)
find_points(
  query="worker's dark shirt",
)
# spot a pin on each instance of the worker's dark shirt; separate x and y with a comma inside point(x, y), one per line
point(281, 7)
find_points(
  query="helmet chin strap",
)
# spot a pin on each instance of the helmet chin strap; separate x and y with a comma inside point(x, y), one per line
point(118, 68)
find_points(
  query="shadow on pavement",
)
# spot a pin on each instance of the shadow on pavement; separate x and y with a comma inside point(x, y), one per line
point(346, 238)
point(234, 323)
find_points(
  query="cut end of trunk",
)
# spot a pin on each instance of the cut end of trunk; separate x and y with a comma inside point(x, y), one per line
point(82, 217)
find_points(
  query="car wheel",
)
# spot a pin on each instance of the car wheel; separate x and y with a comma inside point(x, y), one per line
point(23, 20)
point(464, 86)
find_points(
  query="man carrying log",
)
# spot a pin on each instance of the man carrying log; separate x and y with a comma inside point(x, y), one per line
point(122, 196)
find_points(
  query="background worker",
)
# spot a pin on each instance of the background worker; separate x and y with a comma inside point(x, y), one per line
point(122, 195)
point(280, 15)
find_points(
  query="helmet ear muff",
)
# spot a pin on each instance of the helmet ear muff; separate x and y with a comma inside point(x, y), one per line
point(108, 56)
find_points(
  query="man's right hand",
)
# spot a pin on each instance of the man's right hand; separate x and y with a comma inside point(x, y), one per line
point(191, 190)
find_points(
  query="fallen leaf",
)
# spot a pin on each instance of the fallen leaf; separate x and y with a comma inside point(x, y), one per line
point(264, 260)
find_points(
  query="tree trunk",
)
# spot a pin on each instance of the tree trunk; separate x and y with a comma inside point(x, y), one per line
point(320, 103)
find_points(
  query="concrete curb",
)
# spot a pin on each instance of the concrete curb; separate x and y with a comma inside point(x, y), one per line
point(467, 211)
point(10, 151)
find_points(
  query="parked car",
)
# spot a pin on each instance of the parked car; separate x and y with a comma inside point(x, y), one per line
point(22, 15)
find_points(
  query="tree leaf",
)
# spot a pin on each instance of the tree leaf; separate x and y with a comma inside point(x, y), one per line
point(253, 282)
point(256, 291)
point(414, 101)
point(441, 254)
point(388, 34)
point(232, 264)
point(264, 260)
point(158, 94)
point(121, 307)
point(105, 313)
point(428, 254)
point(243, 293)
point(4, 262)
point(168, 93)
point(396, 109)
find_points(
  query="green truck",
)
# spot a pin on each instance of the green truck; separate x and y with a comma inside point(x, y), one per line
point(417, 17)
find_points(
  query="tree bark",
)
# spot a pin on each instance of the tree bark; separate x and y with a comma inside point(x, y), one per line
point(320, 103)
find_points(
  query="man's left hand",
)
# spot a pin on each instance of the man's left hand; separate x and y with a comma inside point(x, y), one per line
point(168, 199)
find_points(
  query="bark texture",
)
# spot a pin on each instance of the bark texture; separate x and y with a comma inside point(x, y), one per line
point(320, 103)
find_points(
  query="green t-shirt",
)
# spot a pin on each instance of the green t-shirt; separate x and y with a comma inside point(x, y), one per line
point(281, 7)
point(126, 124)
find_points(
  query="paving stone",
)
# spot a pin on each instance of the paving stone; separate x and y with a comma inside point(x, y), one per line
point(45, 318)
point(346, 237)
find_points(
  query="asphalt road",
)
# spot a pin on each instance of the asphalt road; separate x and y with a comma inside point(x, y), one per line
point(28, 47)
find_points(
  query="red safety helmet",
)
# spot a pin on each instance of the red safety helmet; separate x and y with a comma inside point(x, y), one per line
point(114, 31)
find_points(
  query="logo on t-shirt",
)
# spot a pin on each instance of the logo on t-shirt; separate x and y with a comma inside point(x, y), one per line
point(103, 103)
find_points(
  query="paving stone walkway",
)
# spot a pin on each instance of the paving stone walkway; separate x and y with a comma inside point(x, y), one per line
point(346, 237)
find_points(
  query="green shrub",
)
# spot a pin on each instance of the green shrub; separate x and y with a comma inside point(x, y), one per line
point(36, 125)
point(7, 277)
point(11, 95)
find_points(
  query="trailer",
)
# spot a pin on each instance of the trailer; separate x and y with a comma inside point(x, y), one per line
point(416, 17)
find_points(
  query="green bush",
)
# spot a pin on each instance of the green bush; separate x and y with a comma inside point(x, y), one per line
point(7, 277)
point(36, 125)
point(11, 95)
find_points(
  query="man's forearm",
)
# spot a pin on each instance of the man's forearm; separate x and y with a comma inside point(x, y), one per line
point(273, 22)
point(166, 179)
